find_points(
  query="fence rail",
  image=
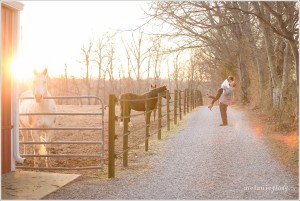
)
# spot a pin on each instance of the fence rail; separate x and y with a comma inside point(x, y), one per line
point(183, 102)
point(168, 111)
point(98, 142)
point(63, 128)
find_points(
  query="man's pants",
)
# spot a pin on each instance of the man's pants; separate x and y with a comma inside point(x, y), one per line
point(220, 91)
point(223, 111)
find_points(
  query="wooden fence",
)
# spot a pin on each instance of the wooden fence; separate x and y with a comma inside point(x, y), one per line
point(183, 102)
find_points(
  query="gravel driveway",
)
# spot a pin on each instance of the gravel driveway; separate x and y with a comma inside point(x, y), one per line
point(201, 161)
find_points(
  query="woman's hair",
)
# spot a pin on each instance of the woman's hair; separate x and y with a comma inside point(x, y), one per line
point(230, 78)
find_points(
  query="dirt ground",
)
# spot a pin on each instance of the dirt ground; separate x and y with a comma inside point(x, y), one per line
point(135, 139)
point(197, 160)
point(282, 145)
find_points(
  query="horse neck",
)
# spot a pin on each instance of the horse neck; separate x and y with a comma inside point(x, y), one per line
point(154, 92)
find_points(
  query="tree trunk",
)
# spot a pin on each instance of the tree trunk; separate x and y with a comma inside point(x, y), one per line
point(295, 52)
point(98, 81)
point(66, 84)
point(244, 79)
point(254, 53)
point(285, 75)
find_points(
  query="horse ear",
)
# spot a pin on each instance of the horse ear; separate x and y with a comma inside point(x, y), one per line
point(45, 71)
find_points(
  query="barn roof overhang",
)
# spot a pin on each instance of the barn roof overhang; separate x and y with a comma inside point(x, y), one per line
point(13, 4)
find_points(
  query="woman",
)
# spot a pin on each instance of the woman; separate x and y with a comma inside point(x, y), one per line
point(225, 85)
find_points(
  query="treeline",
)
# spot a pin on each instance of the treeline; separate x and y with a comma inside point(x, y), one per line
point(256, 42)
point(77, 87)
point(112, 64)
point(197, 44)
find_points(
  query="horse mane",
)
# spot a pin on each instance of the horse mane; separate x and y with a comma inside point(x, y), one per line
point(155, 91)
point(151, 93)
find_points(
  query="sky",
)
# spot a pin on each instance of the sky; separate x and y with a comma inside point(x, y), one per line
point(53, 32)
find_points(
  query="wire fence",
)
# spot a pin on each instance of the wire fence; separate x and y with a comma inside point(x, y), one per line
point(170, 108)
point(182, 103)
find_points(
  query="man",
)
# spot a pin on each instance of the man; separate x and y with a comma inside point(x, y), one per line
point(224, 85)
point(225, 100)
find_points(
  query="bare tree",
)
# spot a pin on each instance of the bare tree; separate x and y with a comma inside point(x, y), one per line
point(86, 52)
point(176, 69)
point(76, 91)
point(156, 57)
point(136, 55)
point(233, 31)
point(110, 65)
point(66, 83)
point(101, 58)
point(282, 19)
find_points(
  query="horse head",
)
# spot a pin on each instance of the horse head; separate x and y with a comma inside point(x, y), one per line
point(40, 89)
point(153, 86)
point(165, 94)
point(161, 90)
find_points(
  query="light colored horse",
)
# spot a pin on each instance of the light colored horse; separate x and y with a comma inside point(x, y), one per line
point(38, 105)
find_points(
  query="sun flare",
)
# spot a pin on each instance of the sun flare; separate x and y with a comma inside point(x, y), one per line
point(23, 70)
point(20, 71)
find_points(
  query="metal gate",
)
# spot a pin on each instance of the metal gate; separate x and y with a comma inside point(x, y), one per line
point(100, 129)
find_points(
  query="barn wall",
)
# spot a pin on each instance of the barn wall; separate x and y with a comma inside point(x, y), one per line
point(9, 25)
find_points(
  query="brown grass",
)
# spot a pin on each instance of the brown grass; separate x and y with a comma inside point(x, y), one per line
point(283, 144)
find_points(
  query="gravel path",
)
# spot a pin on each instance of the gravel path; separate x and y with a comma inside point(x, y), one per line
point(201, 161)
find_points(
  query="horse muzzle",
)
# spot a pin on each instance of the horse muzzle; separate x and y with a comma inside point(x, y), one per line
point(38, 98)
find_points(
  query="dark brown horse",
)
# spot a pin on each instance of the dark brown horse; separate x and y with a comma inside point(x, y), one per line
point(138, 102)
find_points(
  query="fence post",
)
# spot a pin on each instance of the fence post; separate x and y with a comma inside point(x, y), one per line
point(192, 99)
point(111, 138)
point(184, 102)
point(198, 95)
point(188, 100)
point(200, 99)
point(168, 109)
point(179, 103)
point(125, 133)
point(175, 106)
point(159, 115)
point(195, 98)
point(147, 120)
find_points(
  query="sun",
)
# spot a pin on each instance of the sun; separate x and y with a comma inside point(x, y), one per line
point(20, 71)
point(23, 70)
